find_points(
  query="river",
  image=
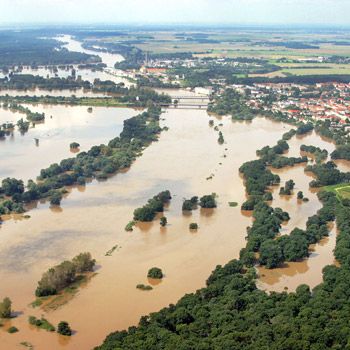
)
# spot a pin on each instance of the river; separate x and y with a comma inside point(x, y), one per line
point(109, 73)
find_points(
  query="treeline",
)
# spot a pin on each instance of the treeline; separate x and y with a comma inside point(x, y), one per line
point(320, 154)
point(342, 152)
point(327, 174)
point(298, 45)
point(30, 81)
point(294, 79)
point(31, 116)
point(61, 276)
point(134, 97)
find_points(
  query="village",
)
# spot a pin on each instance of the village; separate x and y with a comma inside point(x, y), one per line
point(303, 102)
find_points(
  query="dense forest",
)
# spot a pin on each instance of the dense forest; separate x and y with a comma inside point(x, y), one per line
point(29, 48)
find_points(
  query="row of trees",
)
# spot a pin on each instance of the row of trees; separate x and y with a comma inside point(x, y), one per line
point(31, 116)
point(327, 174)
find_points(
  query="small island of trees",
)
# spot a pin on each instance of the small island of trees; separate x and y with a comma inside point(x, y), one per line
point(154, 205)
point(193, 226)
point(287, 188)
point(155, 272)
point(74, 145)
point(61, 276)
point(5, 308)
point(208, 201)
point(190, 204)
point(63, 328)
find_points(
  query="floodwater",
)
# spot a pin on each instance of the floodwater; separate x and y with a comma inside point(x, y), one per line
point(110, 59)
point(188, 161)
point(24, 155)
point(308, 271)
point(108, 73)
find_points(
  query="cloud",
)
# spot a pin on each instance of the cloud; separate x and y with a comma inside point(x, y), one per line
point(168, 11)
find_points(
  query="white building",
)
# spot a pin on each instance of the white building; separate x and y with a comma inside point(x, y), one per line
point(203, 90)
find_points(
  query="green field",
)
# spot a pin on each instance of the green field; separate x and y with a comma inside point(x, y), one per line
point(294, 48)
point(342, 190)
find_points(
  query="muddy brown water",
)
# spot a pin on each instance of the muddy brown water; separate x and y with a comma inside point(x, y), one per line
point(93, 218)
point(48, 142)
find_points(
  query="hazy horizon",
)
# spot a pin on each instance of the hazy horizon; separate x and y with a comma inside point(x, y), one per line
point(321, 13)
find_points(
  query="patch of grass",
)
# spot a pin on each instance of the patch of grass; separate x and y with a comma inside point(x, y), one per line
point(110, 252)
point(129, 226)
point(56, 301)
point(144, 287)
point(342, 191)
point(42, 323)
point(232, 204)
point(37, 302)
point(27, 345)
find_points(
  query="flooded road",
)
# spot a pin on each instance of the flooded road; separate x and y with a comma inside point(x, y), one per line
point(188, 161)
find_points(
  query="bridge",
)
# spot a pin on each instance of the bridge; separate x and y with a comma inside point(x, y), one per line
point(184, 105)
point(187, 102)
point(204, 107)
point(190, 98)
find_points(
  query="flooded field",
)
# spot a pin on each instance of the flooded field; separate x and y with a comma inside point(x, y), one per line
point(48, 142)
point(110, 73)
point(188, 161)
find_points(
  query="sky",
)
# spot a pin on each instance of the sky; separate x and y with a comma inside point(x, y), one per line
point(320, 12)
